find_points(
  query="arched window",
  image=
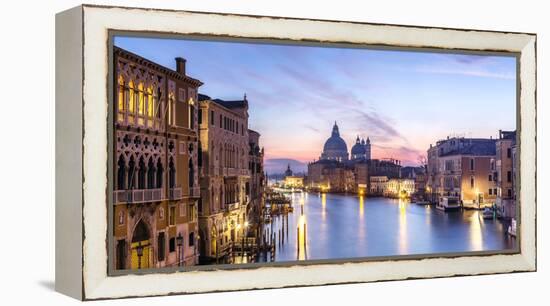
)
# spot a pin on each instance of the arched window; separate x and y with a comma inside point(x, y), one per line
point(150, 174)
point(157, 97)
point(141, 103)
point(141, 174)
point(121, 217)
point(131, 173)
point(171, 109)
point(141, 232)
point(191, 113)
point(199, 155)
point(121, 173)
point(160, 173)
point(191, 173)
point(131, 102)
point(150, 103)
point(121, 103)
point(212, 199)
point(171, 174)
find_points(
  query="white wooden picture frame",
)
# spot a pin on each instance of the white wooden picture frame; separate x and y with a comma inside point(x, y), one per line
point(82, 69)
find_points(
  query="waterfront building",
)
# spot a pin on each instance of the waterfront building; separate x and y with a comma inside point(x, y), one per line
point(420, 185)
point(463, 168)
point(389, 167)
point(334, 171)
point(418, 174)
point(330, 176)
point(399, 187)
point(155, 166)
point(257, 184)
point(292, 181)
point(378, 185)
point(504, 175)
point(362, 178)
point(224, 176)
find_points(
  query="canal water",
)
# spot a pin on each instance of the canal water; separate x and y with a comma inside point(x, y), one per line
point(332, 226)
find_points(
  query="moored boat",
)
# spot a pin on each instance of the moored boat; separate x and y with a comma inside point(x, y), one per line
point(448, 203)
point(488, 213)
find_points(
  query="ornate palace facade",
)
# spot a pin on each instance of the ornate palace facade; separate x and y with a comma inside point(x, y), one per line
point(156, 183)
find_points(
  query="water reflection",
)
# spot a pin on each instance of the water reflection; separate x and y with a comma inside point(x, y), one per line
point(324, 203)
point(402, 227)
point(327, 226)
point(476, 235)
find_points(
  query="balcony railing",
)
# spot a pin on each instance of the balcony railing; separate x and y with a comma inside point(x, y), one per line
point(138, 195)
point(175, 193)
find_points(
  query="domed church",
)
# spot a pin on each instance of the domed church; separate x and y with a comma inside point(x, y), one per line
point(361, 149)
point(335, 147)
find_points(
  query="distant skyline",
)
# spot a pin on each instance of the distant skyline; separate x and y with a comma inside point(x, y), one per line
point(402, 100)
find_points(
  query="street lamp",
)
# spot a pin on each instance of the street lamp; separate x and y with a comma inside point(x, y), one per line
point(179, 242)
point(139, 251)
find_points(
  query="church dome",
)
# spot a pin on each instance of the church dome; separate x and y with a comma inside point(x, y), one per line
point(335, 147)
point(335, 143)
point(358, 148)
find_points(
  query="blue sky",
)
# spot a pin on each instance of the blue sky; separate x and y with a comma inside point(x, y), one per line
point(402, 100)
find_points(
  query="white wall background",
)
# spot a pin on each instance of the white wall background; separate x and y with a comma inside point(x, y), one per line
point(27, 152)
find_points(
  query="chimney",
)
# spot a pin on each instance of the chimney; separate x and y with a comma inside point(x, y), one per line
point(180, 65)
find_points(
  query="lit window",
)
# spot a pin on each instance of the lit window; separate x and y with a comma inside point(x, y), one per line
point(150, 102)
point(171, 109)
point(121, 101)
point(121, 218)
point(141, 103)
point(131, 102)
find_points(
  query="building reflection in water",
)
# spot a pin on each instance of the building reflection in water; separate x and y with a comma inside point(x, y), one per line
point(355, 226)
point(476, 236)
point(402, 226)
point(302, 238)
point(324, 206)
point(361, 207)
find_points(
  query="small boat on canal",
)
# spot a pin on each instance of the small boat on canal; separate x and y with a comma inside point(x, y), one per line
point(448, 203)
point(488, 213)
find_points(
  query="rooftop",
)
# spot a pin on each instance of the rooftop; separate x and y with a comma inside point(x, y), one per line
point(229, 104)
point(476, 147)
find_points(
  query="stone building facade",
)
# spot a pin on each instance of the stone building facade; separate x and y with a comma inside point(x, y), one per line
point(224, 176)
point(463, 168)
point(256, 189)
point(505, 173)
point(156, 186)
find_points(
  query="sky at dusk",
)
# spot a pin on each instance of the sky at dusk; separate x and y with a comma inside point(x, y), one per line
point(402, 100)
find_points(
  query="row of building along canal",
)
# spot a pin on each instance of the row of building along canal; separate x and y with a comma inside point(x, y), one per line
point(190, 188)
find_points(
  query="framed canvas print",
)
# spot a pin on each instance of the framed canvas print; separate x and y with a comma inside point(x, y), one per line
point(201, 152)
